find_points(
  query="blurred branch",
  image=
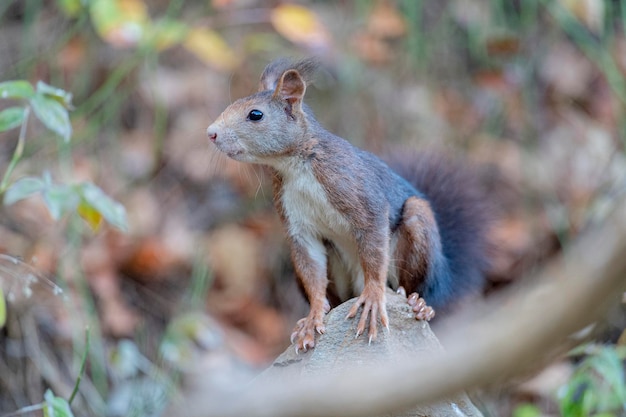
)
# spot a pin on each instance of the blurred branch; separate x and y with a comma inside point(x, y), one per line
point(237, 18)
point(501, 340)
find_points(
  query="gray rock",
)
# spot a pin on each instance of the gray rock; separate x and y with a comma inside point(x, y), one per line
point(338, 349)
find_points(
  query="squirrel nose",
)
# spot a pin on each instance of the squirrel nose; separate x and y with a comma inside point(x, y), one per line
point(211, 133)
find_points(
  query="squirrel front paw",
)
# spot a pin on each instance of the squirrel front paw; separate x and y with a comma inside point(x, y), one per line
point(303, 335)
point(374, 306)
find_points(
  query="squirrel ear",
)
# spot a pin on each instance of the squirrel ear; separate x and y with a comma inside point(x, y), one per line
point(273, 71)
point(291, 87)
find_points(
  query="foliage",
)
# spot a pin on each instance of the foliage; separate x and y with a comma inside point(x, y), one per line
point(54, 406)
point(527, 410)
point(598, 386)
point(51, 106)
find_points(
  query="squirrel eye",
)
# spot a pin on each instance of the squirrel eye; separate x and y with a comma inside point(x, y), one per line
point(255, 115)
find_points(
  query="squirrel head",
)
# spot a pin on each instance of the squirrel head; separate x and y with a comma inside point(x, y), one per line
point(270, 124)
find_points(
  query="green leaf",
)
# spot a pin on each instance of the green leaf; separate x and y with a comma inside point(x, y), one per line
point(52, 114)
point(3, 309)
point(60, 199)
point(16, 89)
point(526, 410)
point(55, 93)
point(572, 395)
point(54, 406)
point(11, 118)
point(611, 368)
point(22, 188)
point(70, 8)
point(111, 210)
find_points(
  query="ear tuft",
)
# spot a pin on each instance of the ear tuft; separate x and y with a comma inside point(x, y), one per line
point(272, 74)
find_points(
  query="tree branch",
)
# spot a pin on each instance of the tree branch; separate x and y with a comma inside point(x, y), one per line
point(503, 336)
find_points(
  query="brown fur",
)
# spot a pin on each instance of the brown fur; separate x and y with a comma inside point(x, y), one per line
point(418, 235)
point(341, 206)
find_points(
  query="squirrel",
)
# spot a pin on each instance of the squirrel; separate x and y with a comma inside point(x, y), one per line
point(354, 223)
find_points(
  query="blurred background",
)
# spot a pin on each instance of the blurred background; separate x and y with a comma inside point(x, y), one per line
point(176, 262)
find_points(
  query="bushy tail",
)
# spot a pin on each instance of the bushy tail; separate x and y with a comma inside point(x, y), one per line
point(462, 214)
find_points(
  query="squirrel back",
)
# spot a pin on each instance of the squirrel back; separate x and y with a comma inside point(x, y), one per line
point(462, 215)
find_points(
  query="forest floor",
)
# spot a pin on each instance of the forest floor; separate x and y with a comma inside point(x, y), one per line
point(531, 93)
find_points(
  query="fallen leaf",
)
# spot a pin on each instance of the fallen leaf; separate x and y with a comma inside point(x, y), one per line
point(117, 317)
point(567, 70)
point(222, 4)
point(300, 25)
point(211, 48)
point(386, 22)
point(234, 254)
point(90, 215)
point(502, 45)
point(372, 49)
point(151, 260)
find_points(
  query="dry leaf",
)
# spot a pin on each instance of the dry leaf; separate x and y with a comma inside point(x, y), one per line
point(90, 215)
point(372, 49)
point(234, 254)
point(222, 4)
point(73, 55)
point(386, 22)
point(502, 44)
point(117, 317)
point(211, 48)
point(300, 25)
point(151, 260)
point(567, 70)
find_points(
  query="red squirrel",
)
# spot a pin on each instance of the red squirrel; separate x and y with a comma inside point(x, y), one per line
point(354, 223)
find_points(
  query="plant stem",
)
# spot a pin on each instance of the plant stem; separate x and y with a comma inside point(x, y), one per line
point(83, 364)
point(19, 150)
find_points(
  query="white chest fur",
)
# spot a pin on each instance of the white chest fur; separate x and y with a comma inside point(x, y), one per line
point(307, 208)
point(312, 218)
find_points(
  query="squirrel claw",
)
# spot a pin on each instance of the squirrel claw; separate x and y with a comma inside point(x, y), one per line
point(303, 336)
point(422, 311)
point(373, 303)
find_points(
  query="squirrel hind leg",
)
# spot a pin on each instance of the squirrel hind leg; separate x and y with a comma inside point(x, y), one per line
point(418, 254)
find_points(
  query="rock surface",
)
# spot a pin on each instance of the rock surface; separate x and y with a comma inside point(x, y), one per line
point(338, 350)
